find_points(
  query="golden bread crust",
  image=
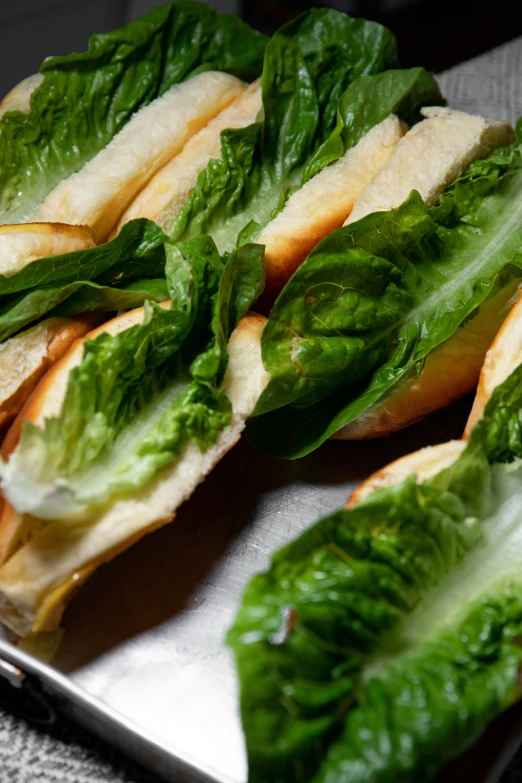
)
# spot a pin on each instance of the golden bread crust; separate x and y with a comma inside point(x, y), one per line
point(449, 373)
point(65, 332)
point(504, 355)
point(425, 463)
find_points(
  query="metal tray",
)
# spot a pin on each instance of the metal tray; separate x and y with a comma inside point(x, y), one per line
point(142, 662)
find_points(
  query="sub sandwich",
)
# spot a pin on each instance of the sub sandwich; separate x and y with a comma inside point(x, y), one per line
point(122, 429)
point(390, 317)
point(77, 142)
point(380, 643)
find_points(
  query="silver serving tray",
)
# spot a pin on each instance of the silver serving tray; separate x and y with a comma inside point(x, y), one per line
point(143, 661)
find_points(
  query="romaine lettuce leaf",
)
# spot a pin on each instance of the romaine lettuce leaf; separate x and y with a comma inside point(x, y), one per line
point(138, 397)
point(377, 296)
point(308, 65)
point(74, 299)
point(86, 99)
point(117, 275)
point(367, 102)
point(137, 251)
point(381, 642)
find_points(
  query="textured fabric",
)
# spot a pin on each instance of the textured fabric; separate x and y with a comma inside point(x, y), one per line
point(489, 85)
point(62, 753)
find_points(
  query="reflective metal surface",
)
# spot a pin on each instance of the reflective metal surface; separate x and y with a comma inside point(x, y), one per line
point(144, 637)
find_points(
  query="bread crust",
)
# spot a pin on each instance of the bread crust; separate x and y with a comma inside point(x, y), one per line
point(503, 357)
point(63, 334)
point(424, 463)
point(450, 372)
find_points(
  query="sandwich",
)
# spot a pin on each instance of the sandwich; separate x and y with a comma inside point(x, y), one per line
point(77, 141)
point(122, 143)
point(98, 194)
point(60, 119)
point(293, 176)
point(380, 643)
point(390, 317)
point(122, 429)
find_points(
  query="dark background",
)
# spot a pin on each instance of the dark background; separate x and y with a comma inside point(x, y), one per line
point(434, 33)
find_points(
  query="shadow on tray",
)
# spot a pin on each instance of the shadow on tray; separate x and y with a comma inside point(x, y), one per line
point(156, 579)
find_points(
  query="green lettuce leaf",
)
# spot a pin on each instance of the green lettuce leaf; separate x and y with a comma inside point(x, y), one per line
point(381, 642)
point(318, 69)
point(376, 297)
point(86, 99)
point(137, 251)
point(117, 275)
point(367, 102)
point(138, 397)
point(75, 299)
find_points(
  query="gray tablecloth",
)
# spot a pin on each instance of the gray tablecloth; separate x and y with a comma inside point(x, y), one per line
point(489, 85)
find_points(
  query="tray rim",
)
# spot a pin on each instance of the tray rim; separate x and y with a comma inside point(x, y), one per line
point(94, 714)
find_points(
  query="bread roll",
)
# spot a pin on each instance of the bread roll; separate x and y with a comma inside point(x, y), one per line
point(99, 193)
point(169, 189)
point(430, 157)
point(324, 202)
point(45, 562)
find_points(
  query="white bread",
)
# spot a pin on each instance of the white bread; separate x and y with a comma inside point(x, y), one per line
point(503, 357)
point(449, 372)
point(431, 156)
point(424, 463)
point(20, 244)
point(25, 358)
point(19, 98)
point(169, 189)
point(100, 192)
point(324, 202)
point(45, 564)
